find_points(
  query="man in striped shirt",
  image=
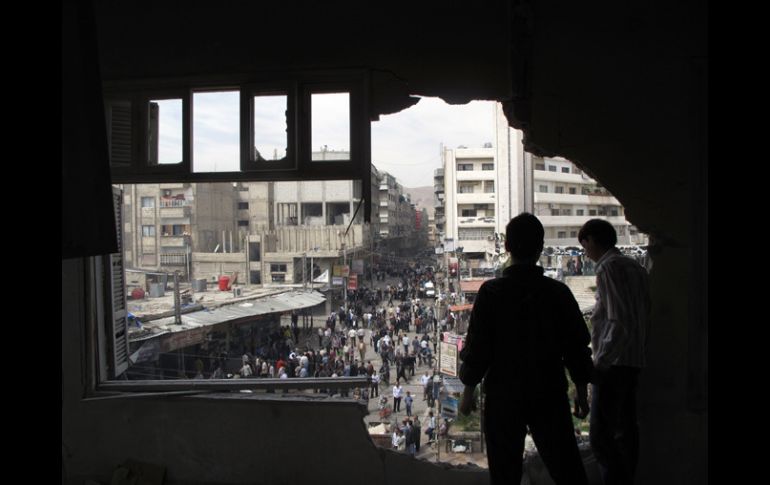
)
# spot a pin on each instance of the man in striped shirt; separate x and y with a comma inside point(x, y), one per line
point(620, 323)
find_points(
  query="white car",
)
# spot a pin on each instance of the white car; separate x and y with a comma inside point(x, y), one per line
point(429, 289)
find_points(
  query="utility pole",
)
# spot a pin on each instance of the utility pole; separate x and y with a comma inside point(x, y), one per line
point(345, 279)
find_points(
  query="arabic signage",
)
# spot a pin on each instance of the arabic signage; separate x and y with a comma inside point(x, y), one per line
point(353, 281)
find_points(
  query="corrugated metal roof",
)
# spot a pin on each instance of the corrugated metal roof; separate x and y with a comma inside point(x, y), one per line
point(283, 302)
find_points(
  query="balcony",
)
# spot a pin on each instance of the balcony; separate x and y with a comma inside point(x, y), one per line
point(475, 198)
point(577, 221)
point(547, 197)
point(475, 175)
point(174, 241)
point(567, 178)
point(174, 202)
point(175, 212)
point(173, 259)
point(476, 222)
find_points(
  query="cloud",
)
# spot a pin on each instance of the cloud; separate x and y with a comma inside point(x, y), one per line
point(407, 144)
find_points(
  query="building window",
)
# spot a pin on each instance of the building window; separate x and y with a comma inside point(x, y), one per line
point(287, 214)
point(330, 125)
point(573, 234)
point(220, 109)
point(543, 188)
point(148, 230)
point(255, 277)
point(602, 212)
point(278, 278)
point(539, 166)
point(572, 190)
point(465, 188)
point(468, 213)
point(561, 235)
point(551, 168)
point(565, 170)
point(254, 251)
point(591, 212)
point(559, 189)
point(243, 206)
point(243, 223)
point(487, 166)
point(164, 146)
point(614, 212)
point(489, 187)
point(579, 212)
point(464, 167)
point(554, 212)
point(148, 202)
point(566, 212)
point(278, 267)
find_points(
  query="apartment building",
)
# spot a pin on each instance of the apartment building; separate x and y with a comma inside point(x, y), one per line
point(482, 189)
point(565, 198)
point(166, 223)
point(396, 214)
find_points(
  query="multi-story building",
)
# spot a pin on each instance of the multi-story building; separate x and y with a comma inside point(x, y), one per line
point(565, 198)
point(483, 188)
point(166, 223)
point(439, 215)
point(396, 214)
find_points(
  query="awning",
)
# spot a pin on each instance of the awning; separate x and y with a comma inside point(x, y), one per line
point(471, 286)
point(459, 308)
point(191, 322)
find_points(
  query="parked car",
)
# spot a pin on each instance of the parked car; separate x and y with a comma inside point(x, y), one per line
point(429, 290)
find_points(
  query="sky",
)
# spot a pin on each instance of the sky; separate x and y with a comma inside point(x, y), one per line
point(405, 144)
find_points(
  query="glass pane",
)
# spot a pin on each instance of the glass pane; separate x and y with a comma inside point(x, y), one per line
point(216, 132)
point(270, 125)
point(164, 138)
point(330, 126)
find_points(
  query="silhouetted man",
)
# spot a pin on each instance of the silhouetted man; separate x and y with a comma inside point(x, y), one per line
point(620, 322)
point(524, 330)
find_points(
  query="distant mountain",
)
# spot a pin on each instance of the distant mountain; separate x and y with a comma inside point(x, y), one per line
point(422, 198)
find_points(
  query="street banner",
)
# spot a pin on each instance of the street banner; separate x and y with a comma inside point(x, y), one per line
point(337, 281)
point(353, 281)
point(448, 362)
point(358, 266)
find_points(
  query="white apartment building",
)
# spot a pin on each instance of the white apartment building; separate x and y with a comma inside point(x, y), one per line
point(565, 198)
point(484, 188)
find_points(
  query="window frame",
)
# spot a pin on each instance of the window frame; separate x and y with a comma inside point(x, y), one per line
point(298, 164)
point(137, 170)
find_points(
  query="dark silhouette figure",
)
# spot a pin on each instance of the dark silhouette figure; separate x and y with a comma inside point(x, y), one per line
point(524, 330)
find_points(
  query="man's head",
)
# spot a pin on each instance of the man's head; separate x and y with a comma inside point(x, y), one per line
point(524, 238)
point(597, 236)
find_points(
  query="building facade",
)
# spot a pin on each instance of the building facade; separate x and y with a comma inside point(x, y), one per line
point(565, 198)
point(166, 223)
point(482, 189)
